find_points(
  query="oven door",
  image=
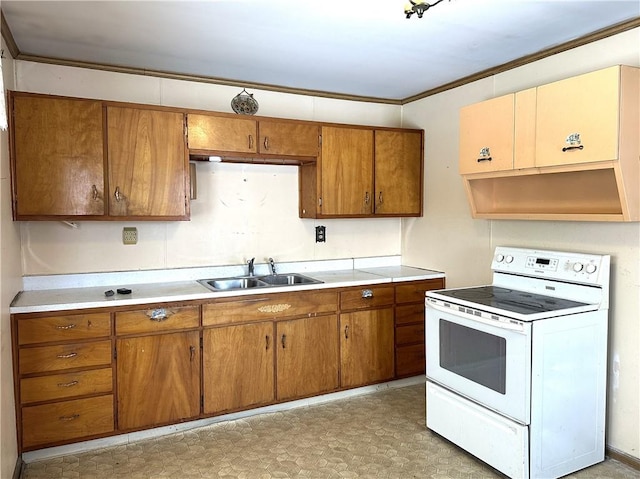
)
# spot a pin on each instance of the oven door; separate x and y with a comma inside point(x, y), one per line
point(481, 359)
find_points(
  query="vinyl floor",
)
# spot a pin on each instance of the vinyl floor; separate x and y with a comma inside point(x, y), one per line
point(378, 435)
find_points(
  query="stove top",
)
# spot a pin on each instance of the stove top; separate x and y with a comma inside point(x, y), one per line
point(504, 299)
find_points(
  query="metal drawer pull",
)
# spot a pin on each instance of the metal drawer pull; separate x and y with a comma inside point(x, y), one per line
point(67, 356)
point(485, 154)
point(284, 338)
point(94, 192)
point(266, 142)
point(266, 339)
point(117, 195)
point(367, 198)
point(574, 142)
point(69, 326)
point(69, 418)
point(67, 385)
point(251, 142)
point(346, 332)
point(192, 353)
point(367, 293)
point(160, 314)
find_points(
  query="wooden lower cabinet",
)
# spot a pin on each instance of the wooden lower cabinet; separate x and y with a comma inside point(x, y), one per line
point(238, 367)
point(307, 356)
point(158, 379)
point(366, 353)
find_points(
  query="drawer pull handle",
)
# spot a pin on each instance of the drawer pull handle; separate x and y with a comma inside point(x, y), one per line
point(192, 353)
point(73, 417)
point(346, 332)
point(251, 142)
point(94, 193)
point(67, 356)
point(485, 154)
point(160, 314)
point(68, 326)
point(284, 338)
point(267, 340)
point(367, 293)
point(67, 385)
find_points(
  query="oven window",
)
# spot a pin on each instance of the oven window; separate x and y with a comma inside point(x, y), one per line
point(478, 356)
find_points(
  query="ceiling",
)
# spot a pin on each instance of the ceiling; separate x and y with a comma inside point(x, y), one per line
point(365, 49)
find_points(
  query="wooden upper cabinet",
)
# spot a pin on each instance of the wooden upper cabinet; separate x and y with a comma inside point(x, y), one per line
point(222, 134)
point(288, 138)
point(398, 173)
point(578, 119)
point(487, 135)
point(57, 156)
point(346, 175)
point(148, 163)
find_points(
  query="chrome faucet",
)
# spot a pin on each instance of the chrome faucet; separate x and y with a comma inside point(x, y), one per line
point(273, 266)
point(250, 265)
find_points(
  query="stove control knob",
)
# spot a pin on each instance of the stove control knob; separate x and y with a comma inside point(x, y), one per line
point(509, 259)
point(499, 258)
point(577, 267)
point(591, 268)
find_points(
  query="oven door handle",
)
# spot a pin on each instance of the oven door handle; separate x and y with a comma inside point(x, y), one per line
point(516, 326)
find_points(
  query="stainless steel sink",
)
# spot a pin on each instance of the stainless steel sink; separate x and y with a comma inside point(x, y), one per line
point(288, 279)
point(250, 282)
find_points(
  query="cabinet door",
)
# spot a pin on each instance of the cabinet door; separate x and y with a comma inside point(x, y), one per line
point(398, 173)
point(238, 367)
point(346, 171)
point(487, 135)
point(58, 156)
point(291, 139)
point(158, 379)
point(367, 349)
point(586, 105)
point(307, 356)
point(148, 163)
point(220, 134)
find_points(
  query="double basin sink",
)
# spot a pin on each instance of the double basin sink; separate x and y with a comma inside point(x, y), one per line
point(251, 282)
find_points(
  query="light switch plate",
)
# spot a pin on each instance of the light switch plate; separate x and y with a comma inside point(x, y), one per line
point(129, 235)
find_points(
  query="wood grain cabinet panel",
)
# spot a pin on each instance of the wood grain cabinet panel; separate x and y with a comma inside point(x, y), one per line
point(57, 155)
point(66, 421)
point(220, 134)
point(63, 328)
point(289, 138)
point(158, 379)
point(148, 163)
point(64, 356)
point(238, 367)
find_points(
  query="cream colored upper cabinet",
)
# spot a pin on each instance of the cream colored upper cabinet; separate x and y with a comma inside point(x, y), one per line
point(577, 119)
point(487, 135)
point(222, 134)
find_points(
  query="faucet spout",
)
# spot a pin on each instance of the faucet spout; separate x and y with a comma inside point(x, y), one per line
point(272, 264)
point(250, 266)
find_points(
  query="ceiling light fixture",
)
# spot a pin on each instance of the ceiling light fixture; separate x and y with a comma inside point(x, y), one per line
point(419, 8)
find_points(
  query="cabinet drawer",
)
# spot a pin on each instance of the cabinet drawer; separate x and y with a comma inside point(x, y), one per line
point(413, 333)
point(366, 297)
point(410, 313)
point(273, 306)
point(65, 356)
point(157, 319)
point(410, 360)
point(62, 386)
point(64, 421)
point(414, 291)
point(64, 327)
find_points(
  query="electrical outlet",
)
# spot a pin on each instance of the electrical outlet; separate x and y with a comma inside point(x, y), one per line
point(321, 234)
point(129, 235)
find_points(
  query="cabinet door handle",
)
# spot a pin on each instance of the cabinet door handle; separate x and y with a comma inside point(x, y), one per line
point(67, 356)
point(367, 198)
point(69, 418)
point(117, 195)
point(192, 353)
point(367, 293)
point(68, 326)
point(346, 332)
point(266, 142)
point(251, 142)
point(267, 340)
point(485, 154)
point(67, 385)
point(380, 198)
point(574, 142)
point(283, 340)
point(94, 192)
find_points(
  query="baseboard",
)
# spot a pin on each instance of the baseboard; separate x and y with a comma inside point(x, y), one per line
point(17, 471)
point(624, 458)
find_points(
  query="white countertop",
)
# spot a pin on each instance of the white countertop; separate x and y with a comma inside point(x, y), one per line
point(145, 293)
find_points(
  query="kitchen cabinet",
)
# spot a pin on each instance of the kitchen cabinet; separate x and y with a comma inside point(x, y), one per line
point(64, 378)
point(409, 325)
point(229, 136)
point(148, 164)
point(158, 366)
point(364, 172)
point(307, 357)
point(575, 153)
point(57, 157)
point(366, 335)
point(238, 367)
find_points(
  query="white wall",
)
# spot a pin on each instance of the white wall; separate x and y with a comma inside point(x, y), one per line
point(242, 211)
point(448, 239)
point(10, 284)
